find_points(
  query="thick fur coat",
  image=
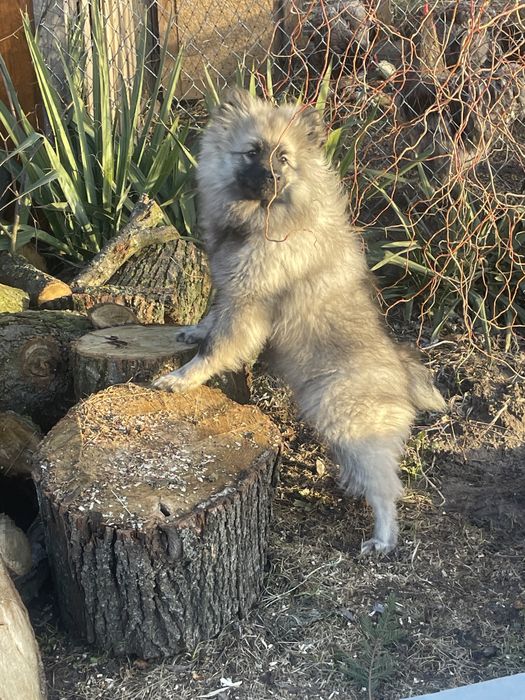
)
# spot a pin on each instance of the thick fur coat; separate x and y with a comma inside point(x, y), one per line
point(290, 277)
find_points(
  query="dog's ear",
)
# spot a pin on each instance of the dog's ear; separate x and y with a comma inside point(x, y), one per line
point(311, 120)
point(235, 100)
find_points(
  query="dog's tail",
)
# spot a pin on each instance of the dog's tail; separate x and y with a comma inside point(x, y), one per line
point(423, 394)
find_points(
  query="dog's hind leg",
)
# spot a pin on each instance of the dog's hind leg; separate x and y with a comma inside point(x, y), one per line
point(369, 468)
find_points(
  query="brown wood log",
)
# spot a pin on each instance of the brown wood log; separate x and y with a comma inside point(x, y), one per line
point(19, 438)
point(140, 231)
point(15, 550)
point(21, 674)
point(176, 271)
point(122, 354)
point(110, 314)
point(182, 306)
point(157, 510)
point(34, 362)
point(13, 299)
point(16, 271)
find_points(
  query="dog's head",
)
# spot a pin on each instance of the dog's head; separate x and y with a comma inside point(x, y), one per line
point(260, 153)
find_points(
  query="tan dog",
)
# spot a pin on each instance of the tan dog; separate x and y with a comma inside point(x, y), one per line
point(290, 276)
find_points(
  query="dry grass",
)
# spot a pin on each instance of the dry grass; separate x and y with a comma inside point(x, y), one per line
point(457, 577)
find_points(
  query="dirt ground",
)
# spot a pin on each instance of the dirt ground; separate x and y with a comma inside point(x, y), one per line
point(445, 609)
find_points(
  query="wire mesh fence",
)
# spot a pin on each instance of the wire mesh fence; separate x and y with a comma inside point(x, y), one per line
point(427, 101)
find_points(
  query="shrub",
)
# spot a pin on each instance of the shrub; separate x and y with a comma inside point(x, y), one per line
point(75, 183)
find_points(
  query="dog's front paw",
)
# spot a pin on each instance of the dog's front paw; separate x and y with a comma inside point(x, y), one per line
point(175, 382)
point(376, 545)
point(191, 335)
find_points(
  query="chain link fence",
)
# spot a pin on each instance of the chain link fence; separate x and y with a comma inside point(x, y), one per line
point(429, 98)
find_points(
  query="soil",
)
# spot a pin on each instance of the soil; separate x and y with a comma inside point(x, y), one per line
point(446, 608)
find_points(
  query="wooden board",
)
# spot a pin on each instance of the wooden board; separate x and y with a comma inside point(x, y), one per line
point(14, 51)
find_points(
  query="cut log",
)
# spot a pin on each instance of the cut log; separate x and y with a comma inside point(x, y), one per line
point(16, 271)
point(157, 509)
point(109, 314)
point(15, 550)
point(182, 306)
point(123, 354)
point(19, 438)
point(177, 267)
point(34, 362)
point(13, 299)
point(21, 674)
point(140, 231)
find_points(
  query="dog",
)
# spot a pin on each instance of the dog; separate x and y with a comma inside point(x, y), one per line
point(290, 277)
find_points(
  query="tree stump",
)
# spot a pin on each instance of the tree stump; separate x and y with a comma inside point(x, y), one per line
point(157, 509)
point(134, 353)
point(34, 362)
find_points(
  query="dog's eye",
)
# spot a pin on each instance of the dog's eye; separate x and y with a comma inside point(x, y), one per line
point(253, 153)
point(283, 158)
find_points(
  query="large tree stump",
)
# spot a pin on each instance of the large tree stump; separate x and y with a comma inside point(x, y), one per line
point(134, 353)
point(34, 362)
point(156, 508)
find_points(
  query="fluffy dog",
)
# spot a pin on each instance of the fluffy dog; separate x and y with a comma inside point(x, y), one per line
point(290, 276)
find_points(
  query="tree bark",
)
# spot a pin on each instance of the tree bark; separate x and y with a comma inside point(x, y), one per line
point(133, 353)
point(16, 271)
point(157, 510)
point(19, 438)
point(21, 674)
point(34, 362)
point(183, 306)
point(177, 268)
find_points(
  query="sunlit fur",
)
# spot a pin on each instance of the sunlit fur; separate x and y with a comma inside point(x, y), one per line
point(291, 277)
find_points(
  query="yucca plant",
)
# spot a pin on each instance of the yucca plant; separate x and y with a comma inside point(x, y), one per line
point(76, 183)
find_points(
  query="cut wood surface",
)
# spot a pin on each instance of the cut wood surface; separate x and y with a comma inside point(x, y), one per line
point(13, 299)
point(16, 271)
point(122, 354)
point(157, 511)
point(140, 231)
point(34, 362)
point(19, 438)
point(110, 314)
point(21, 675)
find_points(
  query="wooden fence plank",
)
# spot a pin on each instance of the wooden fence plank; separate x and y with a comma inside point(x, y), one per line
point(15, 53)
